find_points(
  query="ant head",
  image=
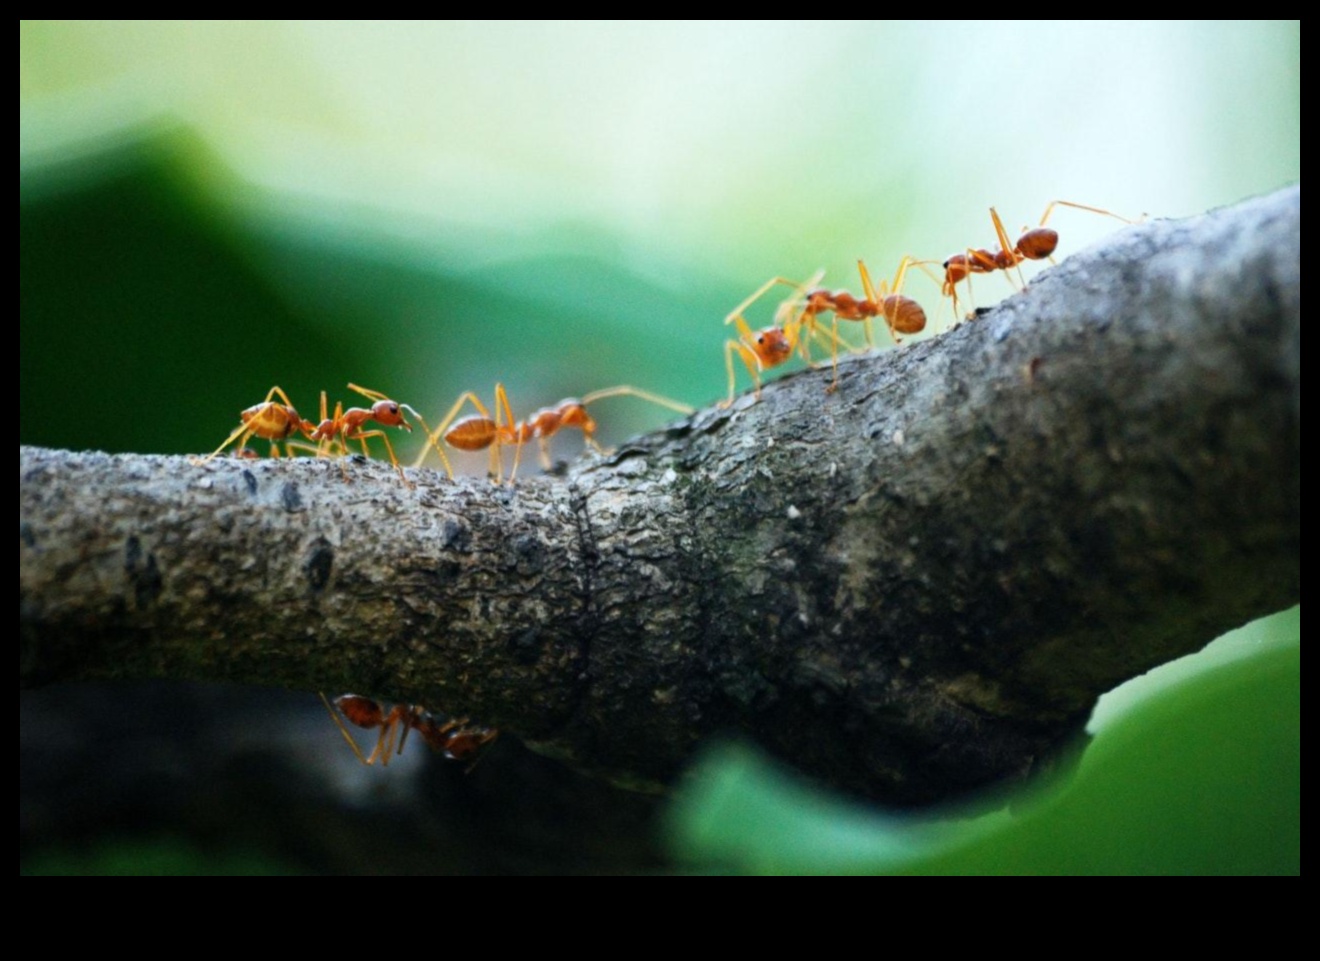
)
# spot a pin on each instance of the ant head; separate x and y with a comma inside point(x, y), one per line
point(389, 413)
point(772, 346)
point(573, 413)
point(465, 743)
point(956, 268)
point(819, 300)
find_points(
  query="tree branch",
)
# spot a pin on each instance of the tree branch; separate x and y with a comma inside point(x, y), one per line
point(911, 587)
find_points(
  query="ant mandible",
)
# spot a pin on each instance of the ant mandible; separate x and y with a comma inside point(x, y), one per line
point(454, 738)
point(348, 425)
point(269, 420)
point(1037, 243)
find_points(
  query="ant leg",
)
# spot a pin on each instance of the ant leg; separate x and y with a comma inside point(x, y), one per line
point(388, 730)
point(337, 436)
point(381, 752)
point(910, 261)
point(760, 292)
point(805, 320)
point(813, 331)
point(800, 292)
point(296, 445)
point(895, 290)
point(369, 394)
point(242, 430)
point(408, 718)
point(1095, 210)
point(325, 444)
point(389, 449)
point(1039, 242)
point(828, 340)
point(975, 262)
point(868, 289)
point(1007, 246)
point(957, 268)
point(426, 430)
point(282, 395)
point(334, 716)
point(834, 352)
point(784, 312)
point(748, 359)
point(902, 314)
point(362, 436)
point(502, 402)
point(624, 390)
point(971, 302)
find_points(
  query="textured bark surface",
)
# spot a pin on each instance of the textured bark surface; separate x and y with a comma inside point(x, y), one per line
point(911, 587)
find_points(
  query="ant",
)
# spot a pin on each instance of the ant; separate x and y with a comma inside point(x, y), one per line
point(348, 425)
point(572, 412)
point(1037, 243)
point(269, 420)
point(901, 314)
point(452, 737)
point(772, 346)
point(481, 431)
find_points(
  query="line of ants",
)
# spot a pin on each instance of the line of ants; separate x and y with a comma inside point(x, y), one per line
point(798, 322)
point(278, 421)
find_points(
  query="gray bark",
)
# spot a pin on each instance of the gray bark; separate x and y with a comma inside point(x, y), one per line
point(911, 587)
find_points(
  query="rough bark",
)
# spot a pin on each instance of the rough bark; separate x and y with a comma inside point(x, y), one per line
point(913, 586)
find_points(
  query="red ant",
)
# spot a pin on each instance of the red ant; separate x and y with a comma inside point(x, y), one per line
point(772, 346)
point(268, 420)
point(452, 737)
point(901, 314)
point(572, 412)
point(348, 425)
point(1038, 243)
point(481, 431)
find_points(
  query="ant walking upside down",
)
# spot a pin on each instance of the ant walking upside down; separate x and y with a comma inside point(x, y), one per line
point(454, 738)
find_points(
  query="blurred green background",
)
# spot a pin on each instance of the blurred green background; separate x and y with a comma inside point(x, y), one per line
point(211, 208)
